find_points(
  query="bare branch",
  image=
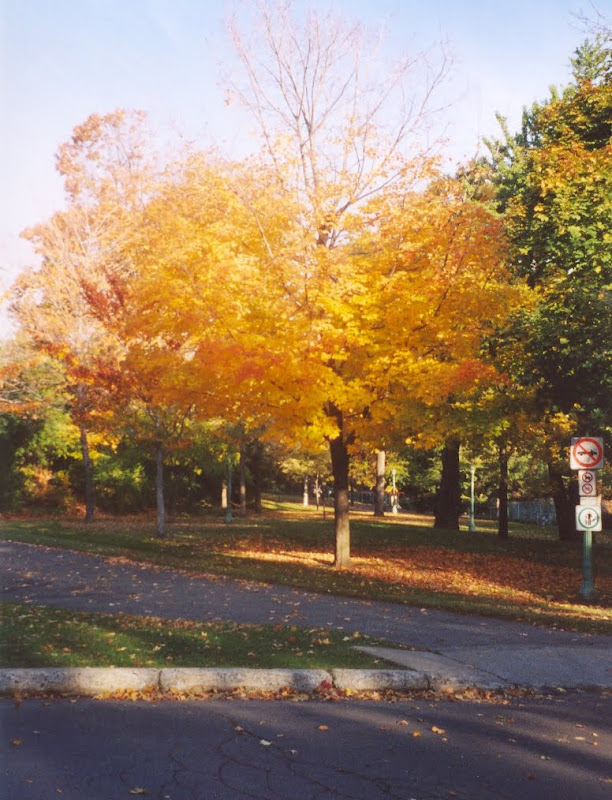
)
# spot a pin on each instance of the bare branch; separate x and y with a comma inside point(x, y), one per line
point(336, 121)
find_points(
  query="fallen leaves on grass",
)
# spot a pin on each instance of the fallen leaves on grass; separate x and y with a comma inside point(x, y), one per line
point(492, 577)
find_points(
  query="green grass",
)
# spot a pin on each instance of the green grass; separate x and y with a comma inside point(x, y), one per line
point(292, 545)
point(38, 636)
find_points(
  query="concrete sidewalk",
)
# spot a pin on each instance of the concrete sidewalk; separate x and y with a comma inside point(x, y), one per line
point(447, 651)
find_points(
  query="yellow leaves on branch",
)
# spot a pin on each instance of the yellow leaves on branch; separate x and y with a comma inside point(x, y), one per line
point(225, 292)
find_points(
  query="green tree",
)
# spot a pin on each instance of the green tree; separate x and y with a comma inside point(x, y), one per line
point(554, 182)
point(38, 441)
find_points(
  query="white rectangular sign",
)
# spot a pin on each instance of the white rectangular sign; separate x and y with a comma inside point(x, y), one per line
point(591, 501)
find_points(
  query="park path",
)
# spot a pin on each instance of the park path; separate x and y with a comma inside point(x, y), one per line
point(78, 581)
point(518, 653)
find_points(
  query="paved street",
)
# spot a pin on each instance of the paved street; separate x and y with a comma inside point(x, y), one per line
point(555, 745)
point(528, 749)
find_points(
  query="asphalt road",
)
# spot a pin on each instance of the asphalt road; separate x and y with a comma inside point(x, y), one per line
point(527, 749)
point(557, 745)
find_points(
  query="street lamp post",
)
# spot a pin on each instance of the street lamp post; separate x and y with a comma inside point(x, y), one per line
point(228, 510)
point(472, 525)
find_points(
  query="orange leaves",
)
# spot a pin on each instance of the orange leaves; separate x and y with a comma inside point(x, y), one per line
point(495, 579)
point(494, 576)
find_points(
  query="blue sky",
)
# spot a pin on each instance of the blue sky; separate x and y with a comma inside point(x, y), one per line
point(62, 60)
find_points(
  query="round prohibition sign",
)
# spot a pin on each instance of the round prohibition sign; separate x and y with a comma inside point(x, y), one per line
point(587, 488)
point(587, 452)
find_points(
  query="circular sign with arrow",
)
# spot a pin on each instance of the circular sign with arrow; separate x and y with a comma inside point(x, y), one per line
point(586, 453)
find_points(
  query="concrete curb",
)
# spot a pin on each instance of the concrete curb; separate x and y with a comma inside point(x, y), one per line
point(367, 680)
point(93, 681)
point(77, 681)
point(267, 680)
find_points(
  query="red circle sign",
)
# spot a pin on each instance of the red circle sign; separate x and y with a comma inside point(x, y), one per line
point(587, 452)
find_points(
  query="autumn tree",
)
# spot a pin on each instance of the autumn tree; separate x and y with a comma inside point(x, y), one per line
point(334, 133)
point(308, 289)
point(184, 350)
point(103, 167)
point(555, 188)
point(51, 309)
point(313, 285)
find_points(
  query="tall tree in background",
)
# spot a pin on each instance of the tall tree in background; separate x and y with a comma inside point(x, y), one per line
point(336, 128)
point(555, 188)
point(52, 310)
point(104, 176)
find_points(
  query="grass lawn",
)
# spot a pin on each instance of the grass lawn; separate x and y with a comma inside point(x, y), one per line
point(38, 636)
point(402, 558)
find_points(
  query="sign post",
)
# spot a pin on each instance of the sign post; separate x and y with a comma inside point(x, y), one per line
point(587, 589)
point(587, 456)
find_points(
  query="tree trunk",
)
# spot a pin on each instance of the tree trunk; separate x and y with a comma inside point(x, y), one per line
point(340, 471)
point(90, 499)
point(305, 493)
point(379, 494)
point(224, 494)
point(242, 478)
point(502, 526)
point(564, 505)
point(448, 502)
point(159, 490)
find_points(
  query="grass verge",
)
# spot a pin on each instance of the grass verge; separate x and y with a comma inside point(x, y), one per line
point(39, 636)
point(531, 577)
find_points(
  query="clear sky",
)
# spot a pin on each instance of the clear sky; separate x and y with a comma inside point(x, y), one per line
point(62, 60)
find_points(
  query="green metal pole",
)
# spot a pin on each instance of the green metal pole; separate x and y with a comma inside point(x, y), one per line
point(472, 524)
point(587, 590)
point(228, 510)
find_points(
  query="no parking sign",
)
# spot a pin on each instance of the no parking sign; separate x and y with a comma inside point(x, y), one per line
point(587, 452)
